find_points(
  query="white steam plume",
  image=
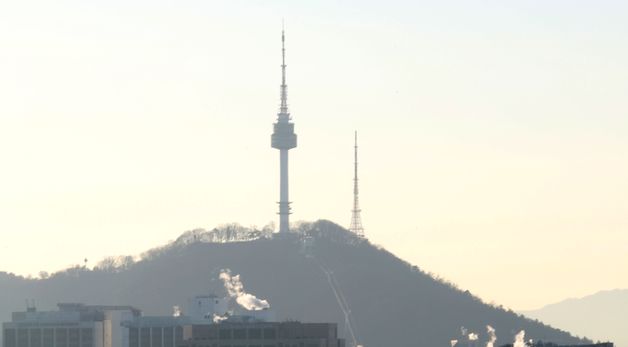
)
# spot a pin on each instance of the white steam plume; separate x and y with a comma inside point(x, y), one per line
point(491, 336)
point(217, 319)
point(235, 288)
point(463, 331)
point(473, 337)
point(519, 339)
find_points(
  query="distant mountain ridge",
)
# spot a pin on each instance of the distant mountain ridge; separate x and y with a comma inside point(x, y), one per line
point(393, 303)
point(600, 316)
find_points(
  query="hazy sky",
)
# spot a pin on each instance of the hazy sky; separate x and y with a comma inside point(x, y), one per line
point(493, 134)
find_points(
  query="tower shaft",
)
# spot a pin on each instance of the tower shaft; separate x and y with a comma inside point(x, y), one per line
point(284, 201)
point(356, 220)
point(283, 139)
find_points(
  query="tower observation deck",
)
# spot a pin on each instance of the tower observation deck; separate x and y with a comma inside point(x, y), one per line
point(283, 139)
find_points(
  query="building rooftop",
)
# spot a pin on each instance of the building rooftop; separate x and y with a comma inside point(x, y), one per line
point(69, 313)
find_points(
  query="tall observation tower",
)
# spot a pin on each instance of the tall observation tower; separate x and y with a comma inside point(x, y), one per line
point(283, 139)
point(356, 221)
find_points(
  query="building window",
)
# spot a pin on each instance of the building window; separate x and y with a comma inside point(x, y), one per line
point(239, 334)
point(22, 337)
point(168, 337)
point(144, 337)
point(156, 337)
point(61, 337)
point(224, 334)
point(35, 337)
point(255, 333)
point(270, 334)
point(73, 337)
point(178, 335)
point(134, 337)
point(87, 337)
point(9, 338)
point(48, 337)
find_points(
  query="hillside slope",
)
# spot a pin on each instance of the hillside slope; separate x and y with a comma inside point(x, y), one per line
point(393, 303)
point(599, 316)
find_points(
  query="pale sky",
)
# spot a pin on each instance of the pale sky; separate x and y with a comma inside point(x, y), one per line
point(493, 134)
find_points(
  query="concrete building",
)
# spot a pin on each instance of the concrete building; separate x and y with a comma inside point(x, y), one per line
point(205, 322)
point(204, 307)
point(550, 344)
point(161, 331)
point(243, 333)
point(73, 325)
point(201, 311)
point(167, 331)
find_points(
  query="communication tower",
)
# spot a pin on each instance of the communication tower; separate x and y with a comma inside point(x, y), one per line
point(356, 221)
point(283, 139)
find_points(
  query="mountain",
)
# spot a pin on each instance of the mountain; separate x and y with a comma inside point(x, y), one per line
point(392, 302)
point(599, 316)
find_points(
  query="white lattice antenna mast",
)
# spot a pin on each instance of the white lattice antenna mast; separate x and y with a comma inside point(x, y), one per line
point(356, 221)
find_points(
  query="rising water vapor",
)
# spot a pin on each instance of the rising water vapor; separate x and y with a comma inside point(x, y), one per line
point(519, 339)
point(235, 288)
point(217, 318)
point(492, 337)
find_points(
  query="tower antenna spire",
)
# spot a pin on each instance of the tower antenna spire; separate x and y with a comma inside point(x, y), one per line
point(356, 220)
point(283, 109)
